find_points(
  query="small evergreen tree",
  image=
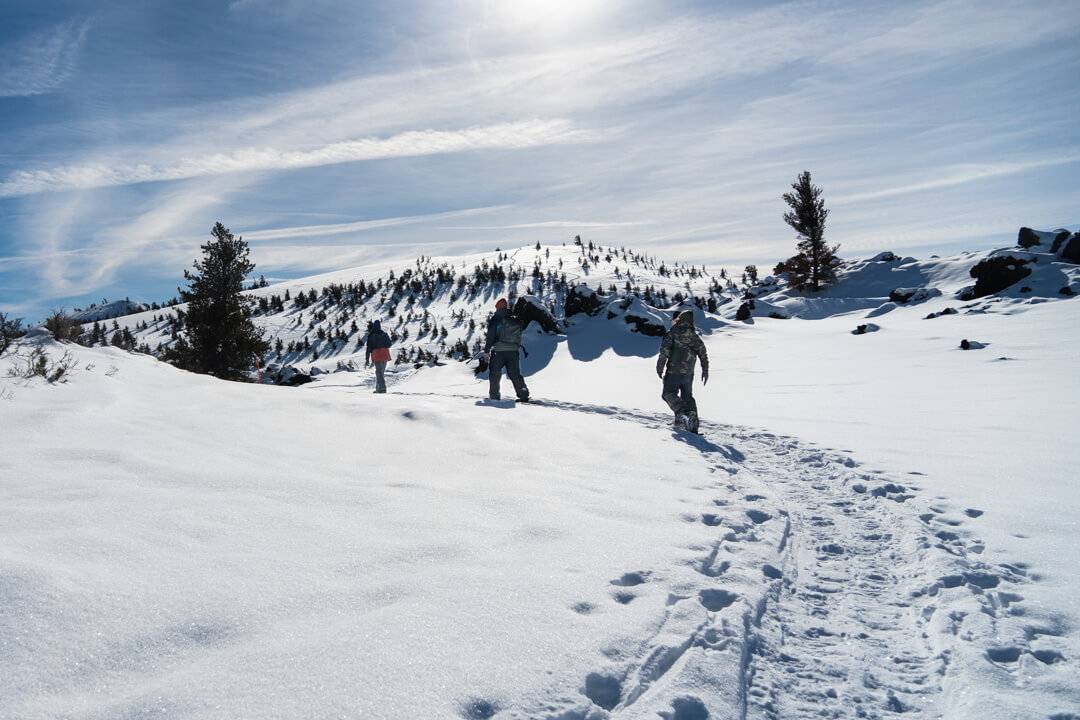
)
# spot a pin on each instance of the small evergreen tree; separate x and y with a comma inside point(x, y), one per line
point(221, 339)
point(10, 330)
point(813, 264)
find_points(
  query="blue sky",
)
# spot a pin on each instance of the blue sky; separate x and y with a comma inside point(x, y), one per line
point(332, 134)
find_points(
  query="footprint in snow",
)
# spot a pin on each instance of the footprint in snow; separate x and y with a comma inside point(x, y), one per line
point(631, 579)
point(686, 708)
point(715, 600)
point(477, 709)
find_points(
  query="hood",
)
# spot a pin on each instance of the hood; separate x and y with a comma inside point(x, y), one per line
point(684, 319)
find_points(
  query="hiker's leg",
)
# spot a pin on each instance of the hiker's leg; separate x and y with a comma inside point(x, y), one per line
point(670, 393)
point(686, 390)
point(494, 375)
point(513, 369)
point(380, 376)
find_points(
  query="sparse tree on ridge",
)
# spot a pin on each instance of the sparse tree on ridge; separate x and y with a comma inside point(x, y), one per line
point(814, 263)
point(220, 338)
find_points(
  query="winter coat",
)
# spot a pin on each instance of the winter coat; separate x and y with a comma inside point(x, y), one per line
point(495, 328)
point(378, 346)
point(681, 348)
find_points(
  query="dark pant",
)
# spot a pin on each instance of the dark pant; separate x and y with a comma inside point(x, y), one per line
point(679, 394)
point(380, 376)
point(510, 360)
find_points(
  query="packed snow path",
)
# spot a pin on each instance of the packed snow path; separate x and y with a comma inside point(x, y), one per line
point(823, 595)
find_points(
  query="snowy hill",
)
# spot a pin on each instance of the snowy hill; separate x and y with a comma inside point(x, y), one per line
point(107, 311)
point(872, 525)
point(436, 308)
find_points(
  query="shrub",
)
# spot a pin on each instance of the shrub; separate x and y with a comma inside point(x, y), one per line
point(9, 330)
point(62, 326)
point(39, 364)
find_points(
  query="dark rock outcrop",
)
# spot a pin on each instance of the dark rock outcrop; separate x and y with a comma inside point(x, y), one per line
point(1071, 251)
point(645, 326)
point(1027, 238)
point(529, 309)
point(743, 313)
point(994, 274)
point(582, 299)
point(1060, 239)
point(865, 328)
point(289, 376)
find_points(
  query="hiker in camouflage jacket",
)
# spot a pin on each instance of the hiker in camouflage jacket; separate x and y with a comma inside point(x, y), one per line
point(679, 352)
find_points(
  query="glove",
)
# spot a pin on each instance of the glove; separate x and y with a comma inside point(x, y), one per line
point(705, 377)
point(659, 373)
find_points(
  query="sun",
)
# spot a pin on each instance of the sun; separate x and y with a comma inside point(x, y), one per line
point(548, 16)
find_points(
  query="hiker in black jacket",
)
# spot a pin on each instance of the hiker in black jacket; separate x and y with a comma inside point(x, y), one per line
point(681, 347)
point(378, 351)
point(503, 343)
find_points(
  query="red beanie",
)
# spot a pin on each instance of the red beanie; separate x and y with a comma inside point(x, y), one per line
point(501, 304)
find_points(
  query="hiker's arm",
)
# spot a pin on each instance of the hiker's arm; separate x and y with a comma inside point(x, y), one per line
point(703, 356)
point(665, 351)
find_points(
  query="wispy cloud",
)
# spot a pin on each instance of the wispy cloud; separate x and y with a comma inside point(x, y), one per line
point(956, 175)
point(41, 62)
point(547, 224)
point(515, 135)
point(361, 225)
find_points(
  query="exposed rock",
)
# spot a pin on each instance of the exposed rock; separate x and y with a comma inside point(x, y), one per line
point(743, 313)
point(946, 311)
point(1067, 291)
point(887, 256)
point(636, 314)
point(865, 328)
point(582, 299)
point(1060, 239)
point(1071, 251)
point(994, 274)
point(645, 325)
point(529, 308)
point(913, 295)
point(1027, 238)
point(966, 344)
point(290, 376)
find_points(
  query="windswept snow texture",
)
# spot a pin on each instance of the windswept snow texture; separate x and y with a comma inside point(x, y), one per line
point(870, 526)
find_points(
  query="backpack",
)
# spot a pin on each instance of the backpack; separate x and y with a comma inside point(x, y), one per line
point(680, 351)
point(510, 331)
point(378, 339)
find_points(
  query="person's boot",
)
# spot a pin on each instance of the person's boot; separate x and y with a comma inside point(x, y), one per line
point(692, 421)
point(680, 422)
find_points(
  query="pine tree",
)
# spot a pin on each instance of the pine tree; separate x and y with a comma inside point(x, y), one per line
point(814, 262)
point(221, 339)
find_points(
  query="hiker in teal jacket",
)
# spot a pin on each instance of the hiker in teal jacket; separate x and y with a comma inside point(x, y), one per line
point(503, 344)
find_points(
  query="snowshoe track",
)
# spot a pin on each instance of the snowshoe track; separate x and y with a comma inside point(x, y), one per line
point(826, 594)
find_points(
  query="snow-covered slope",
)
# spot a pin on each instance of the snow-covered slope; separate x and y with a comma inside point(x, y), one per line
point(874, 525)
point(107, 311)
